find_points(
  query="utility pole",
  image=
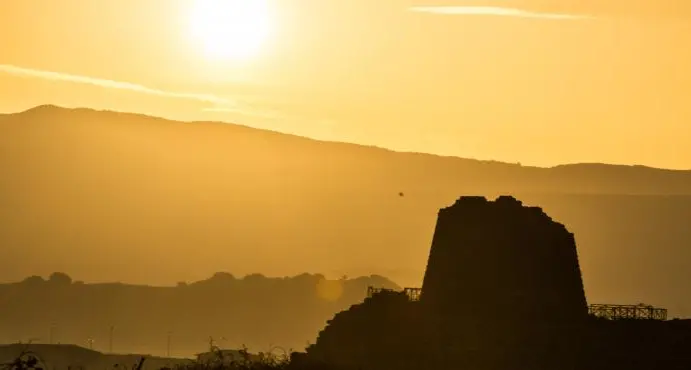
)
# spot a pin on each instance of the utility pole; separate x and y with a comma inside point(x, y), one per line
point(110, 339)
point(168, 345)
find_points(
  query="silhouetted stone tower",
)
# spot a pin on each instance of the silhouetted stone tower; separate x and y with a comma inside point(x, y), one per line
point(502, 261)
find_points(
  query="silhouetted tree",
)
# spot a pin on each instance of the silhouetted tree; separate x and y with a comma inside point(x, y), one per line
point(60, 278)
point(254, 277)
point(223, 276)
point(33, 280)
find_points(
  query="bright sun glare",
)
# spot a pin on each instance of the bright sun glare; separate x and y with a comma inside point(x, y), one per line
point(230, 29)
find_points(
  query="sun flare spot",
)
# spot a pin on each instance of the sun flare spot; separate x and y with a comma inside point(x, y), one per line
point(329, 290)
point(230, 29)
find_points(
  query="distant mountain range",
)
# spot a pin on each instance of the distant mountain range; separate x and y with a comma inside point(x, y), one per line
point(117, 196)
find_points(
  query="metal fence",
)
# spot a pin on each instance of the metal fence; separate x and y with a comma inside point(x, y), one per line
point(412, 293)
point(608, 311)
point(618, 312)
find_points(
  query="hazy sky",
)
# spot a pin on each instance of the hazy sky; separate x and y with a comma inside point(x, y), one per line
point(520, 81)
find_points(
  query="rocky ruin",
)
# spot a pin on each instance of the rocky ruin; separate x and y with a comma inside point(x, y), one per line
point(502, 290)
point(502, 261)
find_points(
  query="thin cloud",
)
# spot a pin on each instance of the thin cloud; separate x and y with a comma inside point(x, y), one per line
point(495, 11)
point(220, 105)
point(110, 84)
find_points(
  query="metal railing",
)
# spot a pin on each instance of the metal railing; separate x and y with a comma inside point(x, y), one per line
point(412, 293)
point(608, 311)
point(617, 312)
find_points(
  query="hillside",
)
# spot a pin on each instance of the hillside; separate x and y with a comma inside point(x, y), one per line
point(255, 310)
point(113, 196)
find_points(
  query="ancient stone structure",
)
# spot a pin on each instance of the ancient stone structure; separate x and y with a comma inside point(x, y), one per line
point(370, 335)
point(498, 260)
point(502, 291)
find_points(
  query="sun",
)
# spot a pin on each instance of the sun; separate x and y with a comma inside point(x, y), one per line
point(230, 29)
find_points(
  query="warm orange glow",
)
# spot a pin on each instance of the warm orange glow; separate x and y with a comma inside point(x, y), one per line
point(523, 83)
point(329, 290)
point(230, 29)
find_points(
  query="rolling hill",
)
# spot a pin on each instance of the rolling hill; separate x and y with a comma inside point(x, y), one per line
point(113, 196)
point(253, 310)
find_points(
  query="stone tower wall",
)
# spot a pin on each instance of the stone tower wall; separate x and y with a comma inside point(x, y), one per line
point(499, 259)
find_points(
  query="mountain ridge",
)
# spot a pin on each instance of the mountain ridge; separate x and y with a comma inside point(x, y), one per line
point(52, 108)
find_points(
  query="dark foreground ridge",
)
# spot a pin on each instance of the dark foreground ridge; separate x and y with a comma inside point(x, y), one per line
point(502, 290)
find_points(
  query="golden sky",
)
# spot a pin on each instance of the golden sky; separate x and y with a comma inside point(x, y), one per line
point(531, 82)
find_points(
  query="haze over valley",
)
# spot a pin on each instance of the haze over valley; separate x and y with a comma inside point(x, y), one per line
point(142, 200)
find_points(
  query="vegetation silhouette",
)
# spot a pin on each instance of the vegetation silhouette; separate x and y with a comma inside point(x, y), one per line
point(28, 359)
